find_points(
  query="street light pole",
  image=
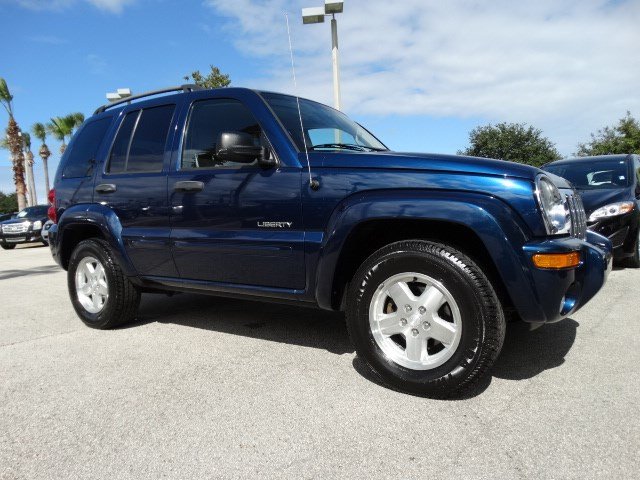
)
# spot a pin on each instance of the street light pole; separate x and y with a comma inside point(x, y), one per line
point(316, 15)
point(336, 64)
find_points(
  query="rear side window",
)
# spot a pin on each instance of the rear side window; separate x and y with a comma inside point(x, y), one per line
point(83, 152)
point(141, 140)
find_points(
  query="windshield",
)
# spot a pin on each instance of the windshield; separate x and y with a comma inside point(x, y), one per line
point(31, 212)
point(324, 128)
point(594, 174)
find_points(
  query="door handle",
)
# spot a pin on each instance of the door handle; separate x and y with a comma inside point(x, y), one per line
point(106, 188)
point(188, 186)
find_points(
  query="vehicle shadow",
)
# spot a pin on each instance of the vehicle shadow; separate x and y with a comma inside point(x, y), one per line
point(7, 274)
point(266, 321)
point(29, 246)
point(524, 355)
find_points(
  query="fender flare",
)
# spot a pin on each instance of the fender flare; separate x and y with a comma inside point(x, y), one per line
point(105, 220)
point(499, 227)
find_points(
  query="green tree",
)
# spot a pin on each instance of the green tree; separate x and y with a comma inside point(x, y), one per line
point(214, 79)
point(61, 128)
point(14, 144)
point(515, 142)
point(8, 203)
point(40, 132)
point(621, 138)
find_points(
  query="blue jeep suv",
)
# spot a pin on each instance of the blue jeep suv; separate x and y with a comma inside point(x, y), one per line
point(266, 196)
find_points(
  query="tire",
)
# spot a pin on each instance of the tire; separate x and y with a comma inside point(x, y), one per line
point(107, 298)
point(45, 243)
point(449, 337)
point(8, 246)
point(634, 260)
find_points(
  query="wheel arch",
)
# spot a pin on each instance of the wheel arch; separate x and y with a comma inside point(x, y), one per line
point(482, 227)
point(83, 222)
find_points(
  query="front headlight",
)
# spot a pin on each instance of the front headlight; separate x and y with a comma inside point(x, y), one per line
point(37, 225)
point(611, 210)
point(555, 211)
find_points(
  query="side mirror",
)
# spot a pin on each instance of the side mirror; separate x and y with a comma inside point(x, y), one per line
point(240, 147)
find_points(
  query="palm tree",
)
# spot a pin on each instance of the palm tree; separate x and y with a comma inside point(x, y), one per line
point(14, 142)
point(78, 119)
point(28, 164)
point(63, 127)
point(60, 128)
point(40, 132)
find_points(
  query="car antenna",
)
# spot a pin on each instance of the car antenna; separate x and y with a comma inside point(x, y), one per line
point(313, 183)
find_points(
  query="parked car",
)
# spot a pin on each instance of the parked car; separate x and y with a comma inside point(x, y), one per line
point(26, 227)
point(609, 186)
point(224, 192)
point(45, 231)
point(7, 216)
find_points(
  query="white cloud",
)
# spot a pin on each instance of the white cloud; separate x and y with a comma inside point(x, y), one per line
point(48, 39)
point(567, 67)
point(112, 6)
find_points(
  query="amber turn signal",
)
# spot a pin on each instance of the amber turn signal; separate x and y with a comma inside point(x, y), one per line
point(556, 260)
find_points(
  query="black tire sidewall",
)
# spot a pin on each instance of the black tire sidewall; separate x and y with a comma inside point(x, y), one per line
point(634, 260)
point(463, 288)
point(8, 246)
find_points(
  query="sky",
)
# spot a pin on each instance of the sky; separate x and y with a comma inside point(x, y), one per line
point(420, 74)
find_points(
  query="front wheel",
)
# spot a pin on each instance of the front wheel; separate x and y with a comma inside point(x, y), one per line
point(634, 260)
point(8, 246)
point(102, 296)
point(425, 318)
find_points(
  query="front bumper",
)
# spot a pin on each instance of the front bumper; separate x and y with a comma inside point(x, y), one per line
point(559, 293)
point(621, 230)
point(17, 238)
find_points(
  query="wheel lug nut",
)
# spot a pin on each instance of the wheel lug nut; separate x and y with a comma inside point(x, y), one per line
point(426, 325)
point(422, 310)
point(414, 332)
point(403, 321)
point(407, 308)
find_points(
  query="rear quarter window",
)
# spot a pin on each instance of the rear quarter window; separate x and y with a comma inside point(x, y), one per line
point(141, 140)
point(82, 154)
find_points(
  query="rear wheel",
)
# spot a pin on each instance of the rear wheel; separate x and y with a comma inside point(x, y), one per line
point(8, 246)
point(102, 296)
point(425, 318)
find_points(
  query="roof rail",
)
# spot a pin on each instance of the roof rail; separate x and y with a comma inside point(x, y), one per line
point(185, 88)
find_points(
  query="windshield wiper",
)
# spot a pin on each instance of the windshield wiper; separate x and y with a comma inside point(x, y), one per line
point(346, 146)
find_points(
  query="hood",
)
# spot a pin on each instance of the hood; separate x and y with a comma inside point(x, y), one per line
point(421, 161)
point(596, 198)
point(23, 219)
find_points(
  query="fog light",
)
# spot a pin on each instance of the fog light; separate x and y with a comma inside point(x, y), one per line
point(556, 261)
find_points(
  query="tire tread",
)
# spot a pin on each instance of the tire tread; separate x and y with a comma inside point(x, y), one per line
point(494, 324)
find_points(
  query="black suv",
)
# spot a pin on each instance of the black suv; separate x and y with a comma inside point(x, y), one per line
point(25, 227)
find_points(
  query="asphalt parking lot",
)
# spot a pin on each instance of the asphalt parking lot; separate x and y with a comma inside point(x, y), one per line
point(203, 387)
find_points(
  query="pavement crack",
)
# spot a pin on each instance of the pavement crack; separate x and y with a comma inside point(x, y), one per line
point(38, 338)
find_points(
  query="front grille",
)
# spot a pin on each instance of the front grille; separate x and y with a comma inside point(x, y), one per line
point(578, 216)
point(15, 228)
